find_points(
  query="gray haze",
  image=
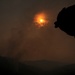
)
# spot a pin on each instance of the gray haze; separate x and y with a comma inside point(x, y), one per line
point(21, 40)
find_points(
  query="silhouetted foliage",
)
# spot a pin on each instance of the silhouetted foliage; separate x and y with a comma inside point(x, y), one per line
point(66, 20)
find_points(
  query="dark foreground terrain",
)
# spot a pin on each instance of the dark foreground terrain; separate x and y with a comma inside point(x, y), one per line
point(11, 67)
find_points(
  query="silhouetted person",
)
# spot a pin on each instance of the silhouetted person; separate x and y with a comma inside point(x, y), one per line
point(66, 20)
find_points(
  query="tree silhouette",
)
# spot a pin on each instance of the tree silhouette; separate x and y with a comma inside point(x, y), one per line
point(66, 20)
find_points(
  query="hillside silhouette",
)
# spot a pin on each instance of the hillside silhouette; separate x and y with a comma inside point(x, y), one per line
point(12, 67)
point(66, 20)
point(65, 70)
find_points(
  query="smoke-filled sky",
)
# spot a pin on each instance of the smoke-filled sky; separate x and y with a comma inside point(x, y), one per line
point(22, 40)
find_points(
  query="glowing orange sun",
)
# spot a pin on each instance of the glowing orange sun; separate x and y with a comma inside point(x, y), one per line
point(40, 20)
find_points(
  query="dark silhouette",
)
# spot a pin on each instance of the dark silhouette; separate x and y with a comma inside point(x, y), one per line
point(12, 67)
point(65, 70)
point(66, 20)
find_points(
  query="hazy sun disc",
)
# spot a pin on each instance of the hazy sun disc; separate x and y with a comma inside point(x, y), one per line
point(40, 20)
